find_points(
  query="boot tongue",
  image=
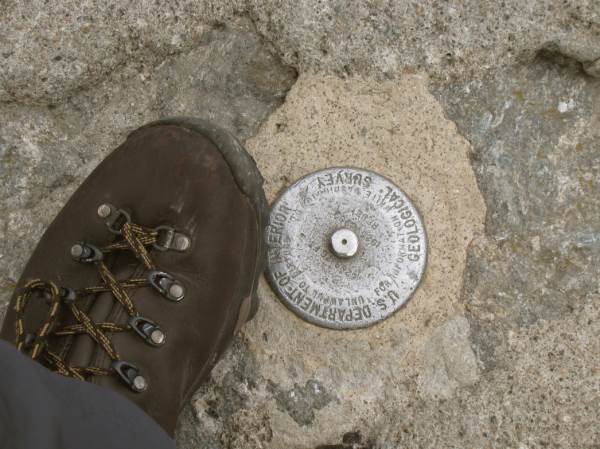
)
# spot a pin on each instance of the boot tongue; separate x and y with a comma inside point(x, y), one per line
point(84, 350)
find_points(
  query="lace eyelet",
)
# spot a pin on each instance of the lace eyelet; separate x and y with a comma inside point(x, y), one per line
point(166, 285)
point(86, 253)
point(114, 218)
point(148, 330)
point(168, 238)
point(28, 341)
point(130, 374)
point(67, 295)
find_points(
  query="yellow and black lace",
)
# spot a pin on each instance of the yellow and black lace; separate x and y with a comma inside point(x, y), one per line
point(135, 238)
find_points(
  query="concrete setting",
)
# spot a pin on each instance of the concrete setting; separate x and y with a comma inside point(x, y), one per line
point(486, 114)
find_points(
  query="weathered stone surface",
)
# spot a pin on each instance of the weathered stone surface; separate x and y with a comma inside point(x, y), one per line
point(545, 395)
point(531, 285)
point(593, 68)
point(448, 360)
point(457, 37)
point(48, 53)
point(535, 132)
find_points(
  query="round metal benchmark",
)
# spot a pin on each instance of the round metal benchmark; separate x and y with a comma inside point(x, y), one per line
point(346, 248)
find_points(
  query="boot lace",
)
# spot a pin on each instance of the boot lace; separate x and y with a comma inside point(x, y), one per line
point(132, 237)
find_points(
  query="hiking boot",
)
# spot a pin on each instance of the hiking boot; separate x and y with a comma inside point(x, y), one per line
point(143, 278)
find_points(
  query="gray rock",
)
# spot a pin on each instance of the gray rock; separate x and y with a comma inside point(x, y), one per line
point(531, 283)
point(301, 402)
point(593, 68)
point(449, 362)
point(49, 53)
point(224, 412)
point(444, 39)
point(536, 154)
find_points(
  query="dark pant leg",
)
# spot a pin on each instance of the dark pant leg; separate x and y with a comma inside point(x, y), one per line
point(43, 410)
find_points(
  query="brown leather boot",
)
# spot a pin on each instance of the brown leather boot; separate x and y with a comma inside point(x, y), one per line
point(143, 278)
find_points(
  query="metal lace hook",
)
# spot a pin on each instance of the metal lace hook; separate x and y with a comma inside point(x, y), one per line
point(86, 253)
point(148, 330)
point(114, 218)
point(167, 285)
point(130, 374)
